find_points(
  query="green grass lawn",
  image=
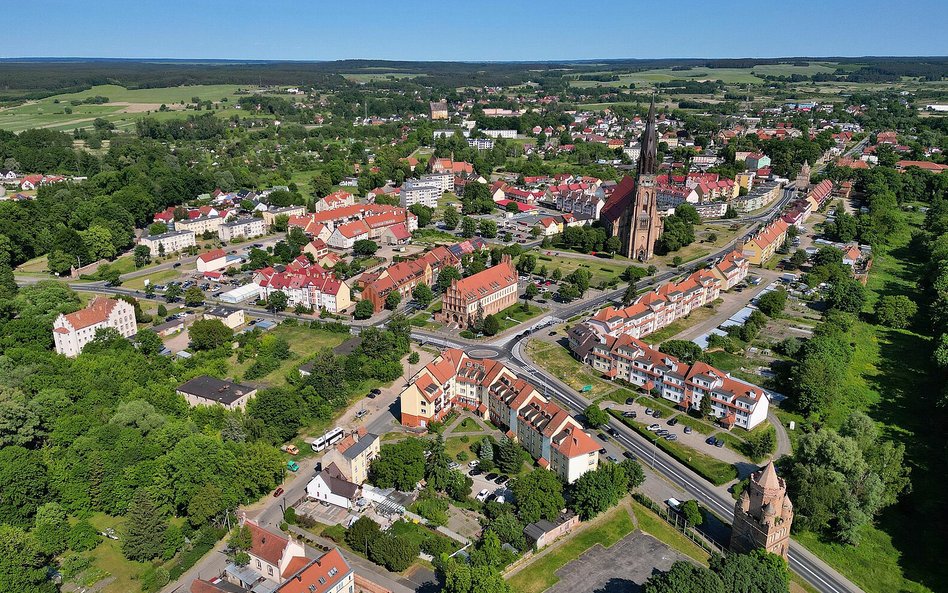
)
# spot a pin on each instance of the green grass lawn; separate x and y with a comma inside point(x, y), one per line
point(37, 265)
point(715, 471)
point(555, 359)
point(107, 557)
point(433, 236)
point(699, 315)
point(602, 270)
point(467, 425)
point(304, 342)
point(605, 530)
point(515, 315)
point(658, 528)
point(891, 378)
point(159, 277)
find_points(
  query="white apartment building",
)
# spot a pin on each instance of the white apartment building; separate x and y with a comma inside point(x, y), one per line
point(444, 180)
point(245, 228)
point(419, 192)
point(73, 331)
point(169, 242)
point(200, 225)
point(501, 133)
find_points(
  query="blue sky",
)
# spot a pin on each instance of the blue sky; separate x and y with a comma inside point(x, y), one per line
point(478, 30)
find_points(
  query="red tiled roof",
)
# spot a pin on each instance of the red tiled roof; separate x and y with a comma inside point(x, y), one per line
point(319, 576)
point(97, 311)
point(212, 255)
point(266, 545)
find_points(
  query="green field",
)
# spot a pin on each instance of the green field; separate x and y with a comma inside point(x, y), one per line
point(515, 315)
point(658, 528)
point(304, 342)
point(601, 269)
point(605, 530)
point(555, 359)
point(125, 106)
point(727, 75)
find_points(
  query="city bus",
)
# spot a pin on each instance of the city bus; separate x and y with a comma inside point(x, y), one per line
point(328, 440)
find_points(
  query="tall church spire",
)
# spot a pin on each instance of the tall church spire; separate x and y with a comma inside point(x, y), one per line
point(648, 157)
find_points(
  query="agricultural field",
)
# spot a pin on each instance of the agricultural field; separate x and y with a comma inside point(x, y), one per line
point(123, 108)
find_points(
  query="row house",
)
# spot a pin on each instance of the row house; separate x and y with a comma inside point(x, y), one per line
point(402, 278)
point(337, 199)
point(308, 285)
point(581, 199)
point(492, 391)
point(200, 225)
point(762, 246)
point(438, 165)
point(731, 270)
point(819, 193)
point(733, 402)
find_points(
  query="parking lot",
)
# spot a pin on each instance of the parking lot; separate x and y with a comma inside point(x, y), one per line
point(693, 439)
point(623, 568)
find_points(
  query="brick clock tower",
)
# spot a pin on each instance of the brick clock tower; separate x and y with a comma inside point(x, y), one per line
point(763, 515)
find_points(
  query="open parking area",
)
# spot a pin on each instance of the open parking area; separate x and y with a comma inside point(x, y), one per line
point(622, 568)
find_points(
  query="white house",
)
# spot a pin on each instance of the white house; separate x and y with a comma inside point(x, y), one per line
point(73, 331)
point(211, 260)
point(330, 485)
point(271, 553)
point(420, 192)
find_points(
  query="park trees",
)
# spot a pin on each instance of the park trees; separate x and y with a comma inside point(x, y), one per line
point(895, 311)
point(598, 490)
point(847, 295)
point(208, 334)
point(142, 255)
point(424, 214)
point(596, 416)
point(193, 296)
point(491, 325)
point(277, 301)
point(773, 302)
point(451, 218)
point(144, 529)
point(468, 227)
point(280, 412)
point(365, 247)
point(538, 495)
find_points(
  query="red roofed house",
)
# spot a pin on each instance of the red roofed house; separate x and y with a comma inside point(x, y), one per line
point(305, 284)
point(271, 554)
point(402, 277)
point(733, 402)
point(337, 199)
point(317, 248)
point(491, 390)
point(765, 243)
point(484, 293)
point(549, 226)
point(732, 269)
point(211, 260)
point(925, 165)
point(330, 573)
point(73, 331)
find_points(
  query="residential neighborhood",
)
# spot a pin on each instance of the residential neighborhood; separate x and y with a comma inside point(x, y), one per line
point(468, 314)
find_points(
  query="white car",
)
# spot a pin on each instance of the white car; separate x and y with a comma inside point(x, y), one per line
point(474, 463)
point(674, 503)
point(482, 495)
point(654, 427)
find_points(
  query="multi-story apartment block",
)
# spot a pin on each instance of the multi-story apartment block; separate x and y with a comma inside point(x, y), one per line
point(481, 143)
point(200, 225)
point(762, 195)
point(491, 390)
point(656, 309)
point(402, 278)
point(443, 180)
point(762, 246)
point(337, 199)
point(270, 215)
point(170, 242)
point(242, 228)
point(484, 293)
point(305, 284)
point(73, 331)
point(422, 192)
point(733, 402)
point(731, 270)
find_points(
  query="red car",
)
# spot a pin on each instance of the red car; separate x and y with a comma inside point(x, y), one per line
point(277, 492)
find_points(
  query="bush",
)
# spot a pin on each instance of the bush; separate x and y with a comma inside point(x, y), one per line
point(289, 515)
point(154, 578)
point(83, 536)
point(434, 509)
point(773, 303)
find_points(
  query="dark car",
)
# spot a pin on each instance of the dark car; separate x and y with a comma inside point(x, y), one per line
point(602, 451)
point(502, 480)
point(687, 430)
point(602, 437)
point(657, 414)
point(628, 455)
point(475, 472)
point(370, 395)
point(277, 492)
point(630, 401)
point(491, 477)
point(718, 443)
point(613, 432)
point(673, 422)
point(376, 391)
point(709, 440)
point(176, 265)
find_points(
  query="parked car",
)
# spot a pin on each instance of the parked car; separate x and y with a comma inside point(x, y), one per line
point(709, 440)
point(657, 414)
point(661, 432)
point(671, 437)
point(291, 449)
point(491, 477)
point(648, 411)
point(687, 430)
point(475, 472)
point(629, 414)
point(602, 451)
point(629, 401)
point(613, 459)
point(602, 437)
point(292, 466)
point(502, 480)
point(474, 463)
point(482, 495)
point(500, 499)
point(628, 455)
point(361, 414)
point(673, 422)
point(613, 432)
point(277, 492)
point(674, 503)
point(376, 392)
point(454, 465)
point(718, 443)
point(654, 427)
